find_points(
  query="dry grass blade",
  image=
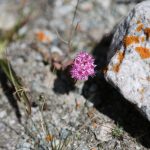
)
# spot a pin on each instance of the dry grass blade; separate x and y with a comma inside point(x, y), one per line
point(20, 91)
point(72, 27)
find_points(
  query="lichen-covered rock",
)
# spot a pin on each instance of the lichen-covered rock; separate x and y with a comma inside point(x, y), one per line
point(129, 58)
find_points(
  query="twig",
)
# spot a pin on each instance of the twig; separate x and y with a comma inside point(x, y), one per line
point(71, 30)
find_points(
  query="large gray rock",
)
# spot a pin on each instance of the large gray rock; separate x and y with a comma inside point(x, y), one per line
point(129, 58)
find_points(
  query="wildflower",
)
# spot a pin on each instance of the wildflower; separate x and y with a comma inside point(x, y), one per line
point(83, 66)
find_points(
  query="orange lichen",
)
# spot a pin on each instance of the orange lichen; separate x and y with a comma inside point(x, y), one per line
point(138, 22)
point(142, 39)
point(116, 68)
point(139, 28)
point(120, 56)
point(143, 52)
point(147, 32)
point(49, 138)
point(128, 40)
point(120, 59)
point(42, 37)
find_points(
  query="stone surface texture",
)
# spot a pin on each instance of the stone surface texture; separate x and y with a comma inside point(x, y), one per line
point(129, 58)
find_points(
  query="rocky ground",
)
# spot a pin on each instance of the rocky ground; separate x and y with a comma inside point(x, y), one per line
point(93, 115)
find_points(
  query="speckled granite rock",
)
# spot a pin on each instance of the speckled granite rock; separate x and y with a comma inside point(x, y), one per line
point(129, 58)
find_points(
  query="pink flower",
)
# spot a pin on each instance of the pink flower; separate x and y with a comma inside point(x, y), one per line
point(83, 66)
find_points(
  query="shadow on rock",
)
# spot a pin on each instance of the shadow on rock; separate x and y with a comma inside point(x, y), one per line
point(63, 83)
point(110, 102)
point(100, 51)
point(128, 1)
point(8, 90)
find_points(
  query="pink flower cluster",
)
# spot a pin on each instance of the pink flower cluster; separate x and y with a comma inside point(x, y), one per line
point(83, 66)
